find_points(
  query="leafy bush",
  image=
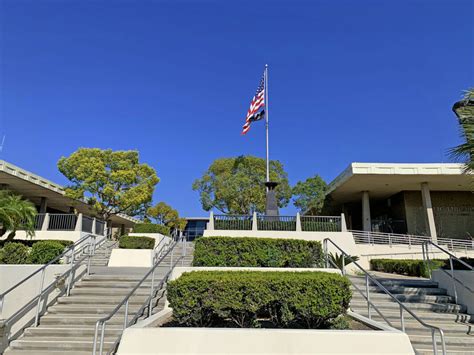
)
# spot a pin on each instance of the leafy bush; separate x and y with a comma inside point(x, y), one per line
point(339, 259)
point(127, 242)
point(408, 267)
point(29, 243)
point(257, 252)
point(246, 298)
point(151, 228)
point(45, 251)
point(14, 253)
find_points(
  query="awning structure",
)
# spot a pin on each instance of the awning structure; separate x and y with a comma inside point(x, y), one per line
point(386, 179)
point(35, 188)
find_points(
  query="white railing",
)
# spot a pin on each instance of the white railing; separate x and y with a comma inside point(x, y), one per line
point(69, 222)
point(365, 237)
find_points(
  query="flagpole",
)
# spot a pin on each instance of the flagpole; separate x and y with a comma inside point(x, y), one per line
point(266, 122)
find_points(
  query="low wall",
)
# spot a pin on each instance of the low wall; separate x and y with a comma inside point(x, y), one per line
point(131, 258)
point(465, 277)
point(12, 274)
point(52, 235)
point(366, 252)
point(261, 341)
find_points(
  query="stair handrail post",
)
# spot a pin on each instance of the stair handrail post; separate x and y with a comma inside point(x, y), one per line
point(343, 264)
point(2, 301)
point(152, 286)
point(171, 258)
point(326, 259)
point(38, 305)
point(125, 317)
point(402, 319)
point(433, 340)
point(96, 335)
point(102, 335)
point(91, 252)
point(367, 291)
point(71, 271)
point(451, 266)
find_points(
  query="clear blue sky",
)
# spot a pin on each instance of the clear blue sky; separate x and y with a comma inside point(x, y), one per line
point(367, 81)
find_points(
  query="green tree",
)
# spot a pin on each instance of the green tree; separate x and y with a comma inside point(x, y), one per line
point(111, 181)
point(236, 185)
point(464, 110)
point(16, 213)
point(308, 195)
point(166, 215)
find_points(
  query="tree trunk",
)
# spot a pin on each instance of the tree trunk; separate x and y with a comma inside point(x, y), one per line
point(10, 236)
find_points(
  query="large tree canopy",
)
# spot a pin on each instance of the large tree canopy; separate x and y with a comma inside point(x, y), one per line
point(111, 181)
point(308, 195)
point(464, 152)
point(16, 213)
point(237, 185)
point(166, 215)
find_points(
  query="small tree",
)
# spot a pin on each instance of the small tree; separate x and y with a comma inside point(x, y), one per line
point(237, 185)
point(16, 213)
point(464, 110)
point(166, 215)
point(112, 182)
point(308, 195)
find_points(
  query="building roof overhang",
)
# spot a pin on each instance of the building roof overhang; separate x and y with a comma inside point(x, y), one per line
point(383, 180)
point(33, 187)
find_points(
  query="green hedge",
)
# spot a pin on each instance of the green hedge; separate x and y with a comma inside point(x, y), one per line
point(258, 252)
point(250, 298)
point(45, 251)
point(14, 253)
point(29, 243)
point(151, 228)
point(136, 242)
point(410, 267)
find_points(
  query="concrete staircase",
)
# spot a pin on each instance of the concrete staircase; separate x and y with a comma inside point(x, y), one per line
point(68, 326)
point(429, 302)
point(102, 255)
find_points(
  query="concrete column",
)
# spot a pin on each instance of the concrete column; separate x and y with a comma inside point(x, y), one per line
point(210, 224)
point(366, 221)
point(94, 225)
point(45, 224)
point(43, 205)
point(79, 223)
point(298, 222)
point(429, 215)
point(254, 222)
point(343, 223)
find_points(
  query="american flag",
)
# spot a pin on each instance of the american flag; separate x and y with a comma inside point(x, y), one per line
point(258, 102)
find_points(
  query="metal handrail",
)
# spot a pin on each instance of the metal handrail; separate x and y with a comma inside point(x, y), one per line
point(402, 307)
point(70, 254)
point(426, 260)
point(101, 323)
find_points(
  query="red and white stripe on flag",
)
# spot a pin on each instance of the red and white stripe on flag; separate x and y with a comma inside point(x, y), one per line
point(258, 102)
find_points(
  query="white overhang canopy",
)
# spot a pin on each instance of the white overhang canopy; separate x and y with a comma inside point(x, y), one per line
point(383, 180)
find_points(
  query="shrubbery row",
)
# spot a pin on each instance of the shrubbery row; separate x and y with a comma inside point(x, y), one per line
point(257, 252)
point(410, 267)
point(41, 252)
point(151, 228)
point(246, 298)
point(136, 242)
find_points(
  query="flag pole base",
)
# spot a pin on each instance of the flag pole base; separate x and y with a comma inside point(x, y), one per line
point(271, 205)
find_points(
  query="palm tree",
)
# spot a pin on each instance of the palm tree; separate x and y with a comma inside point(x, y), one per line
point(16, 213)
point(464, 110)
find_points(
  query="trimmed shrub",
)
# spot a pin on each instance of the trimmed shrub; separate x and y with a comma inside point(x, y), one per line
point(138, 242)
point(29, 243)
point(14, 253)
point(151, 228)
point(408, 267)
point(45, 251)
point(257, 252)
point(247, 298)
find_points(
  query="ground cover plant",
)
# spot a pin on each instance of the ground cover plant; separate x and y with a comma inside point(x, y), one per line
point(257, 252)
point(254, 298)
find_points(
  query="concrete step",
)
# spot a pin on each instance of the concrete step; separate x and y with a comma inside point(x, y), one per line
point(376, 297)
point(50, 331)
point(426, 316)
point(98, 300)
point(52, 345)
point(465, 341)
point(78, 320)
point(96, 291)
point(407, 290)
point(419, 283)
point(88, 309)
point(415, 307)
point(47, 352)
point(422, 349)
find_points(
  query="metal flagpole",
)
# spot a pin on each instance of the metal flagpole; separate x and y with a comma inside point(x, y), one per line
point(266, 121)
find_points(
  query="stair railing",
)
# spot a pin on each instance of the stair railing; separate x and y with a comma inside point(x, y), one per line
point(368, 280)
point(73, 255)
point(100, 326)
point(426, 259)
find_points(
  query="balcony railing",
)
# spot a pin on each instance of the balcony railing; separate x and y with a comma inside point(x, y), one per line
point(277, 223)
point(68, 222)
